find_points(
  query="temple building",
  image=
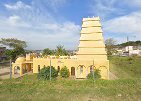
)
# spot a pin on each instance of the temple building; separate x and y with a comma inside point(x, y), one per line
point(91, 55)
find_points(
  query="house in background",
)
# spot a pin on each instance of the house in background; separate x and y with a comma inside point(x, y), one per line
point(134, 50)
point(129, 51)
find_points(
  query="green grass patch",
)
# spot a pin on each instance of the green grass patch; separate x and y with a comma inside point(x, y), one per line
point(30, 88)
point(126, 67)
point(127, 87)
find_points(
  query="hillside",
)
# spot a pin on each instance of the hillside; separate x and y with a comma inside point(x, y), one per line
point(126, 67)
point(130, 43)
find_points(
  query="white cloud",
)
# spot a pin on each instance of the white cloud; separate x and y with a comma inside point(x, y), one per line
point(39, 26)
point(104, 8)
point(16, 21)
point(55, 4)
point(133, 2)
point(18, 5)
point(107, 9)
point(120, 18)
point(42, 35)
point(128, 25)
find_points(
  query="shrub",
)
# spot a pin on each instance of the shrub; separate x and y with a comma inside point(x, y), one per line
point(130, 59)
point(94, 75)
point(64, 72)
point(45, 73)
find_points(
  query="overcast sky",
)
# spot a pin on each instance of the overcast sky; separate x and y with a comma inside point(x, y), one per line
point(47, 23)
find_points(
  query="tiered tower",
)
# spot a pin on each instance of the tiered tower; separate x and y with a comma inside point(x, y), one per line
point(91, 40)
point(92, 47)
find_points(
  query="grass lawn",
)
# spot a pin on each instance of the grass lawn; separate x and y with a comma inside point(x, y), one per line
point(126, 67)
point(127, 87)
point(29, 88)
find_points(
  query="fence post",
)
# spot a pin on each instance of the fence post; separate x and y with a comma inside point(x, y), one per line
point(10, 69)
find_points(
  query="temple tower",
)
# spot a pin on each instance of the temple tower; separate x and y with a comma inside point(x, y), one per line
point(91, 40)
point(92, 47)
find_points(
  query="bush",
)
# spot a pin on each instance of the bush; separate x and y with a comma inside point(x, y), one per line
point(130, 59)
point(64, 72)
point(96, 74)
point(45, 73)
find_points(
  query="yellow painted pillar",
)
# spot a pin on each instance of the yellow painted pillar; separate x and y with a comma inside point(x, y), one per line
point(32, 67)
point(75, 71)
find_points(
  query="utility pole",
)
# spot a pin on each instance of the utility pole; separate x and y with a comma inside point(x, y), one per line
point(93, 69)
point(50, 69)
point(128, 45)
point(10, 69)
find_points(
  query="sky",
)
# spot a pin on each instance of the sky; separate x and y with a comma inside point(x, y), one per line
point(48, 23)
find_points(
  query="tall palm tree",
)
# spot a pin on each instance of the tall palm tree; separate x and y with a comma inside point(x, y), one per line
point(61, 50)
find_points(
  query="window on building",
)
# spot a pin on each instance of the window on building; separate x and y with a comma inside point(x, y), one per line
point(38, 68)
point(81, 69)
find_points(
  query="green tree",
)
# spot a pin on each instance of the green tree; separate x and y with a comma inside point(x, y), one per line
point(19, 51)
point(94, 75)
point(13, 54)
point(110, 46)
point(10, 54)
point(130, 43)
point(13, 43)
point(61, 50)
point(44, 73)
point(64, 72)
point(17, 45)
point(47, 51)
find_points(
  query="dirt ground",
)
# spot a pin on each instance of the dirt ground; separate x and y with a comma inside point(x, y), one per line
point(5, 73)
